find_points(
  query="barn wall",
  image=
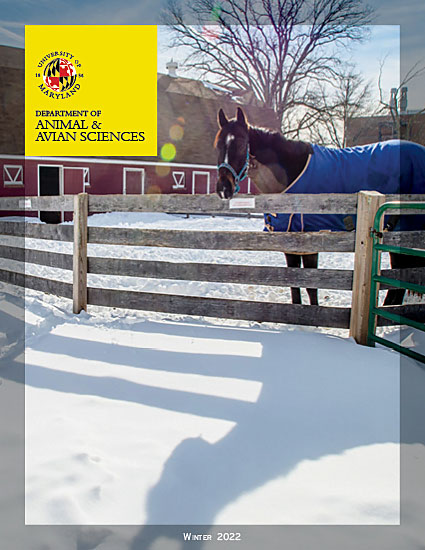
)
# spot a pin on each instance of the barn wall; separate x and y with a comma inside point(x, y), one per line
point(11, 101)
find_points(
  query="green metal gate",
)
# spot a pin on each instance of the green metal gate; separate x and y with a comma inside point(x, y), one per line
point(374, 311)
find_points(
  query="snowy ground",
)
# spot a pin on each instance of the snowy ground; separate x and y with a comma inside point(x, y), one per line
point(137, 418)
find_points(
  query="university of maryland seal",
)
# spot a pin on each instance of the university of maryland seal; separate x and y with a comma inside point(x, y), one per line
point(60, 75)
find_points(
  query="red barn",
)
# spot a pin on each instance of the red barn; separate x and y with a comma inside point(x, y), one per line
point(187, 125)
point(38, 176)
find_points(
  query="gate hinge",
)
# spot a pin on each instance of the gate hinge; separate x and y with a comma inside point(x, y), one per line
point(374, 233)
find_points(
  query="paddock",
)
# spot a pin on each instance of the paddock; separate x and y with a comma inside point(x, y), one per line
point(354, 318)
point(141, 404)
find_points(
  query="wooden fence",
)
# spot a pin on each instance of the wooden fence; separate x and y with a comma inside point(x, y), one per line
point(364, 206)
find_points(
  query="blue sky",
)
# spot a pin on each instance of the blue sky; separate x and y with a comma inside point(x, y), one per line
point(384, 40)
point(384, 43)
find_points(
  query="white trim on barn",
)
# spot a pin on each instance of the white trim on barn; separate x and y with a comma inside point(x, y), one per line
point(180, 172)
point(86, 177)
point(112, 161)
point(10, 180)
point(179, 180)
point(200, 173)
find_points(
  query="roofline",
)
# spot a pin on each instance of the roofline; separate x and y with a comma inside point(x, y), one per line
point(95, 160)
point(12, 47)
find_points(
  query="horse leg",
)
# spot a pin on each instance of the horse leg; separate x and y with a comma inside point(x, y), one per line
point(311, 261)
point(394, 296)
point(294, 260)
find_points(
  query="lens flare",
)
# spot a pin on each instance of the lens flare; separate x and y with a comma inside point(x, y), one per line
point(216, 11)
point(154, 190)
point(162, 170)
point(168, 152)
point(176, 132)
point(210, 32)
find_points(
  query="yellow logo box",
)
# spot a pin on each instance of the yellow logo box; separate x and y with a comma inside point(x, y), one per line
point(90, 90)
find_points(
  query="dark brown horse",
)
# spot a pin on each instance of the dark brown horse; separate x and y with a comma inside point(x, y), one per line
point(275, 163)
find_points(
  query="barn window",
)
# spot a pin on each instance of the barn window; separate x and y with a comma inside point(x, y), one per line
point(13, 175)
point(179, 180)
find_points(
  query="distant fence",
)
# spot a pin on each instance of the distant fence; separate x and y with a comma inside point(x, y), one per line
point(364, 205)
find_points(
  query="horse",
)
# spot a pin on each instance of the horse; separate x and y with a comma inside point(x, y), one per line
point(277, 165)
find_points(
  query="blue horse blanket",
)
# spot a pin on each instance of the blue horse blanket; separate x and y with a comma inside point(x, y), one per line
point(390, 167)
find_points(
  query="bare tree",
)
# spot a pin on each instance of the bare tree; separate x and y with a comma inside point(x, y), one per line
point(348, 96)
point(400, 123)
point(279, 49)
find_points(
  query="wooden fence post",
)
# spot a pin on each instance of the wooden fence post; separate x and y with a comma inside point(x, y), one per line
point(367, 205)
point(79, 292)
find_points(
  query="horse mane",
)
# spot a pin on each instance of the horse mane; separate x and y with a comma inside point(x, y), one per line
point(216, 138)
point(291, 155)
point(276, 140)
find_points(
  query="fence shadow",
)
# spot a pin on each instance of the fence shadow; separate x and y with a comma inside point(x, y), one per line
point(312, 403)
point(307, 409)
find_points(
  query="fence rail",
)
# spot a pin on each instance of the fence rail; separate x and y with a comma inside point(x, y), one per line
point(338, 203)
point(48, 232)
point(38, 257)
point(336, 279)
point(225, 240)
point(58, 288)
point(213, 240)
point(333, 279)
point(332, 317)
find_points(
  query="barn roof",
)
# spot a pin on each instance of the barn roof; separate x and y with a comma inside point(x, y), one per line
point(187, 111)
point(189, 107)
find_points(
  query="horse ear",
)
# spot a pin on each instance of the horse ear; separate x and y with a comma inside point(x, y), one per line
point(222, 119)
point(240, 115)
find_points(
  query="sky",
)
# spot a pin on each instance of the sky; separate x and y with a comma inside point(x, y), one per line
point(383, 45)
point(384, 41)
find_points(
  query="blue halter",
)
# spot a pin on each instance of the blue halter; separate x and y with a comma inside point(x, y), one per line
point(242, 174)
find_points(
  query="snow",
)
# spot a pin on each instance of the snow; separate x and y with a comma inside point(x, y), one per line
point(216, 87)
point(134, 421)
point(140, 418)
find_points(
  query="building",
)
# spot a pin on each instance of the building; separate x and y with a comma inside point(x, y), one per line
point(409, 125)
point(187, 124)
point(12, 112)
point(363, 130)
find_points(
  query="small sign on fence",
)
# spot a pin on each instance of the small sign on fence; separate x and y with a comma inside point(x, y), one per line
point(242, 202)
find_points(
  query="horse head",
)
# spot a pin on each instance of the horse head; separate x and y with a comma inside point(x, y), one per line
point(232, 144)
